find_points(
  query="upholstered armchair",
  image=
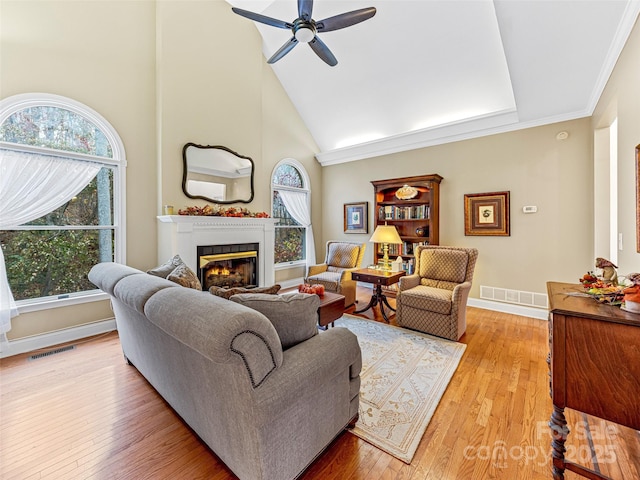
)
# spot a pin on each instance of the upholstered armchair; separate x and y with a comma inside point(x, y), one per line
point(335, 273)
point(434, 298)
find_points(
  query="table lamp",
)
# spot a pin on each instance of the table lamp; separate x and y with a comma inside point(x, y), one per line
point(385, 234)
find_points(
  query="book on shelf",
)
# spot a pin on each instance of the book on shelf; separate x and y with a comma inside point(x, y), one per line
point(404, 248)
point(417, 244)
point(395, 212)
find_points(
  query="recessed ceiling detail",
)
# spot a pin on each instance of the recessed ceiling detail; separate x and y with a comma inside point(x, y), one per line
point(428, 72)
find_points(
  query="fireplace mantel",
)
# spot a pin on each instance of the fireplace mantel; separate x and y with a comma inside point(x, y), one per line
point(182, 234)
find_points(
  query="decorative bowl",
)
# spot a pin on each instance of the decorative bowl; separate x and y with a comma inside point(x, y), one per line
point(406, 192)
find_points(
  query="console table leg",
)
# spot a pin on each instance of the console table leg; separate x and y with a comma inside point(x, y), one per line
point(559, 432)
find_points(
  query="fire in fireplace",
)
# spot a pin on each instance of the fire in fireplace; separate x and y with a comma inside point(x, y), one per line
point(228, 266)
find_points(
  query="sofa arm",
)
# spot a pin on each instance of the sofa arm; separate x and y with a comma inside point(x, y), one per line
point(409, 281)
point(317, 269)
point(218, 329)
point(307, 367)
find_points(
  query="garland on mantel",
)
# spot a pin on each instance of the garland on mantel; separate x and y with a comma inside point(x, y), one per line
point(210, 211)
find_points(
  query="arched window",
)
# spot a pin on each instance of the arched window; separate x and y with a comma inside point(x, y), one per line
point(291, 205)
point(62, 196)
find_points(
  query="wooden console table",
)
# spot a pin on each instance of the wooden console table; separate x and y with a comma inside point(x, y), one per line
point(594, 361)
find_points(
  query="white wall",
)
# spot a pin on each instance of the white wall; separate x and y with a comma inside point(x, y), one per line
point(621, 100)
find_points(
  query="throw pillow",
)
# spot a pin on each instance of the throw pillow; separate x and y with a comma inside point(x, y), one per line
point(295, 316)
point(166, 268)
point(183, 275)
point(229, 292)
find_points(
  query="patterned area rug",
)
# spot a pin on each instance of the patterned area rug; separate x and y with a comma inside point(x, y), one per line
point(404, 375)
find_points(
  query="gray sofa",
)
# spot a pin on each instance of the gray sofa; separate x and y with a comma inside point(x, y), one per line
point(266, 412)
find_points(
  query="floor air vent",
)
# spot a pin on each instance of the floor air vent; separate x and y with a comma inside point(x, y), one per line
point(52, 352)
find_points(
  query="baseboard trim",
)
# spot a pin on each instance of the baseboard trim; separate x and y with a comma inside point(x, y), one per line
point(46, 340)
point(521, 310)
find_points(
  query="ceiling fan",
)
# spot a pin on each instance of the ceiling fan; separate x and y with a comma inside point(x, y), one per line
point(305, 28)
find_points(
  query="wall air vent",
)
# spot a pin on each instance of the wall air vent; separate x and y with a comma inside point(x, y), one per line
point(52, 352)
point(518, 297)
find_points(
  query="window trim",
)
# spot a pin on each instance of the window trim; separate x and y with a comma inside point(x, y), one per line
point(306, 182)
point(16, 103)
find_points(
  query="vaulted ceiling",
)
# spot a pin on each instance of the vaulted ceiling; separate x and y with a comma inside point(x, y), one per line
point(421, 73)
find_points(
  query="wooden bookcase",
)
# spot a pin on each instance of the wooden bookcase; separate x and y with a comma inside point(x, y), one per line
point(421, 211)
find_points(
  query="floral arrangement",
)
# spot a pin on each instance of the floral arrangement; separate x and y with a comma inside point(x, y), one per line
point(218, 211)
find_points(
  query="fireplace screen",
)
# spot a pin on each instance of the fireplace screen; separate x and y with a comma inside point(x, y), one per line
point(228, 269)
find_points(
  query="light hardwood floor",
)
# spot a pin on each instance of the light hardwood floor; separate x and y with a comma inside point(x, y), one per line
point(85, 414)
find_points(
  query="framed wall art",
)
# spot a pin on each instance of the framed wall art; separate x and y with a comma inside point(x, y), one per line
point(487, 214)
point(355, 217)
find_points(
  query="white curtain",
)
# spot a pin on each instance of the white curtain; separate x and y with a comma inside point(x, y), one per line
point(31, 186)
point(296, 204)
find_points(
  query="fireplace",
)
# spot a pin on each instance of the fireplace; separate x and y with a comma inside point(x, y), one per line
point(183, 234)
point(228, 266)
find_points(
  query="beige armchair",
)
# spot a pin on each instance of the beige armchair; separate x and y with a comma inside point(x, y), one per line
point(434, 299)
point(335, 273)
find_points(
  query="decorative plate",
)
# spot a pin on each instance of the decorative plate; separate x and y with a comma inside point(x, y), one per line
point(406, 192)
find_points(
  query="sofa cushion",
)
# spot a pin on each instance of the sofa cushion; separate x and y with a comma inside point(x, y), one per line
point(183, 275)
point(428, 298)
point(229, 292)
point(294, 316)
point(167, 267)
point(343, 255)
point(444, 264)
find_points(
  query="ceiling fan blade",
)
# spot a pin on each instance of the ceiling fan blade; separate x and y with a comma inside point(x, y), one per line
point(323, 51)
point(256, 17)
point(284, 49)
point(305, 7)
point(345, 19)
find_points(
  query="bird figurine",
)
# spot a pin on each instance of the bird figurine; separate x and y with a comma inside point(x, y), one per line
point(609, 272)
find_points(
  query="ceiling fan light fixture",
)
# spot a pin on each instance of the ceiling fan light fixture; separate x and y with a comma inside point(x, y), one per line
point(305, 33)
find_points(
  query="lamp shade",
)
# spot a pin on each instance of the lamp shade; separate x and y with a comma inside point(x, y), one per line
point(385, 234)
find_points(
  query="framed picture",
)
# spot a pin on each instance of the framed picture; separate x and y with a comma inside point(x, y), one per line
point(487, 214)
point(355, 217)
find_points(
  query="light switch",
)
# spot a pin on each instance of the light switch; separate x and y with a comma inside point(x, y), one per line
point(530, 209)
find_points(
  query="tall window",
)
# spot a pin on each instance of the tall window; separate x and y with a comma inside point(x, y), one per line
point(62, 190)
point(290, 204)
